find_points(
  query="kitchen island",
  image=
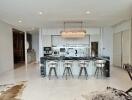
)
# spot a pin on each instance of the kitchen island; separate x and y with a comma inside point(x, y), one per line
point(91, 68)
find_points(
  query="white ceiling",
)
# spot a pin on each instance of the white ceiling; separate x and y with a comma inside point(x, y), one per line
point(103, 12)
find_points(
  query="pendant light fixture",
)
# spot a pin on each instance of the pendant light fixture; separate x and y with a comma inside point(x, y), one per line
point(71, 32)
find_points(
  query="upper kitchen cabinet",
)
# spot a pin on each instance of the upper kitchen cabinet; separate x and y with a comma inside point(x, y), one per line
point(46, 41)
point(60, 41)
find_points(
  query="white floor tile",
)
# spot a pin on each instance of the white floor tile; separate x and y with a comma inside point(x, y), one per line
point(39, 88)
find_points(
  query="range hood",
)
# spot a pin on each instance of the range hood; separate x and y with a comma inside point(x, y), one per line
point(74, 30)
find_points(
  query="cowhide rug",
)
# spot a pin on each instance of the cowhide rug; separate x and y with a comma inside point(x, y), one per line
point(12, 92)
point(108, 94)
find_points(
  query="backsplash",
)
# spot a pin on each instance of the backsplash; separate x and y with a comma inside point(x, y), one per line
point(71, 51)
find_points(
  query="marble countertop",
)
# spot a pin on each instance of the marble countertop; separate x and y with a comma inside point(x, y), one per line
point(74, 58)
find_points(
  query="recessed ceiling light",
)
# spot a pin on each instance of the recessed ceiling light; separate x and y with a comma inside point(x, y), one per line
point(19, 21)
point(40, 13)
point(88, 12)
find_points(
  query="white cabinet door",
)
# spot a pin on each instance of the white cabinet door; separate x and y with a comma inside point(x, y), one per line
point(117, 41)
point(125, 47)
point(60, 41)
point(121, 48)
point(46, 40)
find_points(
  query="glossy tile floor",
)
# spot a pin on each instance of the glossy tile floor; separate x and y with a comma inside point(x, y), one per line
point(39, 88)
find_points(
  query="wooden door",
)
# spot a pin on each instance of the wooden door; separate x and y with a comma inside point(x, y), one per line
point(94, 49)
point(18, 46)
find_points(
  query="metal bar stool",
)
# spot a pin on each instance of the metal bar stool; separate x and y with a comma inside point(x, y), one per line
point(52, 66)
point(67, 68)
point(99, 67)
point(83, 66)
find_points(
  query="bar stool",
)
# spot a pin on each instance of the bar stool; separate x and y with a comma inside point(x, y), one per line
point(52, 66)
point(67, 68)
point(99, 67)
point(83, 66)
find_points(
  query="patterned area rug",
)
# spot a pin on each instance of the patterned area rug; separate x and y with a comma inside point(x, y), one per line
point(109, 94)
point(12, 91)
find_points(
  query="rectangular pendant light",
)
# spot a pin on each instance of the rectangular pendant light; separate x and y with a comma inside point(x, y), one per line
point(70, 33)
point(73, 34)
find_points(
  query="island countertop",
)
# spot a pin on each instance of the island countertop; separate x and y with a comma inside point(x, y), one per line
point(73, 58)
point(44, 67)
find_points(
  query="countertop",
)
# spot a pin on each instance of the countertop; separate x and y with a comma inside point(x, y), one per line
point(74, 58)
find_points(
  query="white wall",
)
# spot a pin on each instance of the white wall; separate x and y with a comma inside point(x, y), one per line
point(6, 47)
point(103, 35)
point(35, 44)
point(56, 31)
point(107, 42)
point(125, 25)
point(45, 36)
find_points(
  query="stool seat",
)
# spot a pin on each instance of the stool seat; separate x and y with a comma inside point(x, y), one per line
point(52, 66)
point(100, 65)
point(52, 62)
point(83, 65)
point(67, 65)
